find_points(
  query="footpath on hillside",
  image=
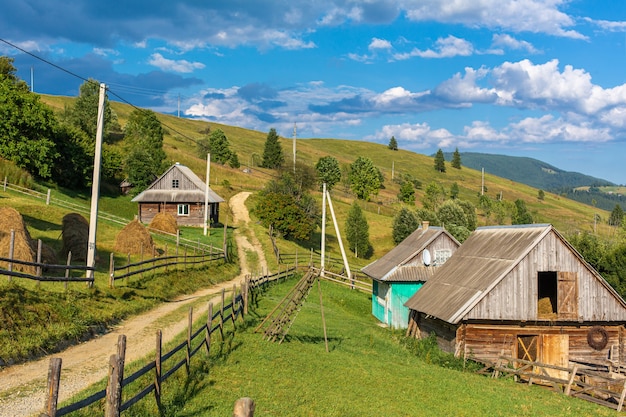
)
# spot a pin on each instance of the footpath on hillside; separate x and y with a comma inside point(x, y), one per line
point(23, 387)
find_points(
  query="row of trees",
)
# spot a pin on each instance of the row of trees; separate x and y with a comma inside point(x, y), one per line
point(61, 149)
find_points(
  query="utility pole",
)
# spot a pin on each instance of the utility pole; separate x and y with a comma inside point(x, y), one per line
point(482, 185)
point(294, 148)
point(206, 192)
point(95, 187)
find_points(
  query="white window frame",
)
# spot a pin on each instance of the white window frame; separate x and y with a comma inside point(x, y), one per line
point(442, 255)
point(183, 209)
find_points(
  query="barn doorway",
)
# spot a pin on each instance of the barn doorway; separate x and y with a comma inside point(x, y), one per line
point(527, 347)
point(547, 294)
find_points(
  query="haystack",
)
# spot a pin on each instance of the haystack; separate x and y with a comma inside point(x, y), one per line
point(164, 222)
point(75, 235)
point(133, 238)
point(11, 219)
point(544, 309)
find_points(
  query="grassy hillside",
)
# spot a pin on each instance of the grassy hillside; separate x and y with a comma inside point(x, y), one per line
point(179, 143)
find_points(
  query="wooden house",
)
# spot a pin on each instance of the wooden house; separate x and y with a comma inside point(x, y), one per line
point(523, 292)
point(404, 269)
point(181, 193)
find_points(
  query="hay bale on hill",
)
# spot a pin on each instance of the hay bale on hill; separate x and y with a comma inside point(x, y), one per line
point(164, 222)
point(75, 234)
point(132, 238)
point(11, 219)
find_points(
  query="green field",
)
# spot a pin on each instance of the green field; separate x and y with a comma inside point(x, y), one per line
point(368, 371)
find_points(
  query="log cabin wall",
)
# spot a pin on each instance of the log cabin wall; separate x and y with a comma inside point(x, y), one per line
point(195, 218)
point(516, 296)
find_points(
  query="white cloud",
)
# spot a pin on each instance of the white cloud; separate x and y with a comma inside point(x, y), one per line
point(507, 41)
point(182, 66)
point(414, 135)
point(611, 26)
point(536, 16)
point(444, 48)
point(464, 88)
point(379, 44)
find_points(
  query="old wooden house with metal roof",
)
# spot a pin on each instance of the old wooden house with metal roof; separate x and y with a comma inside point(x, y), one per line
point(524, 292)
point(181, 193)
point(404, 269)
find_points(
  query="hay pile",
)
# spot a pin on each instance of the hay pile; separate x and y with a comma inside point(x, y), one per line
point(164, 222)
point(11, 219)
point(75, 234)
point(544, 309)
point(132, 238)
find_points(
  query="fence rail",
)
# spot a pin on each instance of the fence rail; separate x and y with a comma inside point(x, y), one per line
point(577, 380)
point(194, 343)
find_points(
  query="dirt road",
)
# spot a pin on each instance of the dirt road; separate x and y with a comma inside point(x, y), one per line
point(23, 387)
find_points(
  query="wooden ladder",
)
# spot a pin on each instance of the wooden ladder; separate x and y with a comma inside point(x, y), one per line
point(283, 316)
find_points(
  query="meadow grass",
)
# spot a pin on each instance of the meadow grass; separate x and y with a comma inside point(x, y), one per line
point(368, 371)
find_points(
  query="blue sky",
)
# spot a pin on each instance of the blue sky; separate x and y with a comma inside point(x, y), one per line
point(543, 79)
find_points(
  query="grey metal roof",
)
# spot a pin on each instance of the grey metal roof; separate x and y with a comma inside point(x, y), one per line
point(475, 268)
point(150, 195)
point(411, 273)
point(385, 268)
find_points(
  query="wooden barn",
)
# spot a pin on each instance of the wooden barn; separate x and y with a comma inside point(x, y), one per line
point(404, 269)
point(524, 292)
point(181, 193)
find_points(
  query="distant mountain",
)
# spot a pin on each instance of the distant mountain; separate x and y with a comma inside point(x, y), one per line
point(528, 171)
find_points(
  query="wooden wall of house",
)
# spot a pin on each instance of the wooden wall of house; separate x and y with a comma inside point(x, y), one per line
point(489, 341)
point(165, 182)
point(442, 242)
point(516, 296)
point(147, 211)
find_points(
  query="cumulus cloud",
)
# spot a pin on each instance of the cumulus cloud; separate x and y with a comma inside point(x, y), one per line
point(509, 42)
point(448, 47)
point(379, 44)
point(182, 66)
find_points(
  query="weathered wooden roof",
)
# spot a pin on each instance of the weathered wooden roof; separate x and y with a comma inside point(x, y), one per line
point(483, 260)
point(410, 273)
point(172, 195)
point(386, 267)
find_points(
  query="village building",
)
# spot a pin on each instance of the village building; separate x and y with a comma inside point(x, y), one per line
point(181, 193)
point(404, 269)
point(522, 292)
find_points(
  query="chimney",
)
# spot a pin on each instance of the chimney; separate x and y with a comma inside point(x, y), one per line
point(425, 225)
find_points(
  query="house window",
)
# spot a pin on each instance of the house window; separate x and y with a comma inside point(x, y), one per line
point(183, 209)
point(175, 184)
point(442, 255)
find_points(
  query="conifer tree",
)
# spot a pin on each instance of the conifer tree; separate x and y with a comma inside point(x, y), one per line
point(357, 232)
point(393, 144)
point(456, 159)
point(273, 153)
point(440, 161)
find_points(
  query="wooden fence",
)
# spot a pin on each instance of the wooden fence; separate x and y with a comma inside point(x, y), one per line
point(194, 343)
point(578, 380)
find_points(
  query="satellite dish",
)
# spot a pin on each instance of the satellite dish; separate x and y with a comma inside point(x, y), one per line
point(426, 257)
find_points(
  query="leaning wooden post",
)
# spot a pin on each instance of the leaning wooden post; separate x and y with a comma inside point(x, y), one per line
point(209, 323)
point(621, 398)
point(39, 250)
point(54, 379)
point(177, 240)
point(114, 388)
point(233, 301)
point(157, 368)
point(224, 248)
point(189, 325)
point(67, 270)
point(568, 389)
point(244, 407)
point(111, 271)
point(245, 293)
point(48, 198)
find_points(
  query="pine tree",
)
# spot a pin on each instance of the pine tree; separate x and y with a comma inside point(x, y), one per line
point(440, 161)
point(456, 159)
point(357, 232)
point(273, 153)
point(405, 223)
point(219, 147)
point(393, 144)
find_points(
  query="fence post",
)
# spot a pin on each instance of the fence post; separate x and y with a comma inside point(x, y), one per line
point(189, 325)
point(222, 315)
point(141, 259)
point(5, 183)
point(67, 270)
point(127, 267)
point(224, 248)
point(571, 380)
point(177, 240)
point(157, 368)
point(111, 271)
point(244, 407)
point(54, 378)
point(185, 258)
point(166, 260)
point(621, 398)
point(114, 388)
point(209, 322)
point(234, 299)
point(11, 251)
point(48, 198)
point(39, 269)
point(245, 292)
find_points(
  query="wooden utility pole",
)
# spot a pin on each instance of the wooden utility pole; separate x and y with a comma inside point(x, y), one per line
point(95, 187)
point(206, 192)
